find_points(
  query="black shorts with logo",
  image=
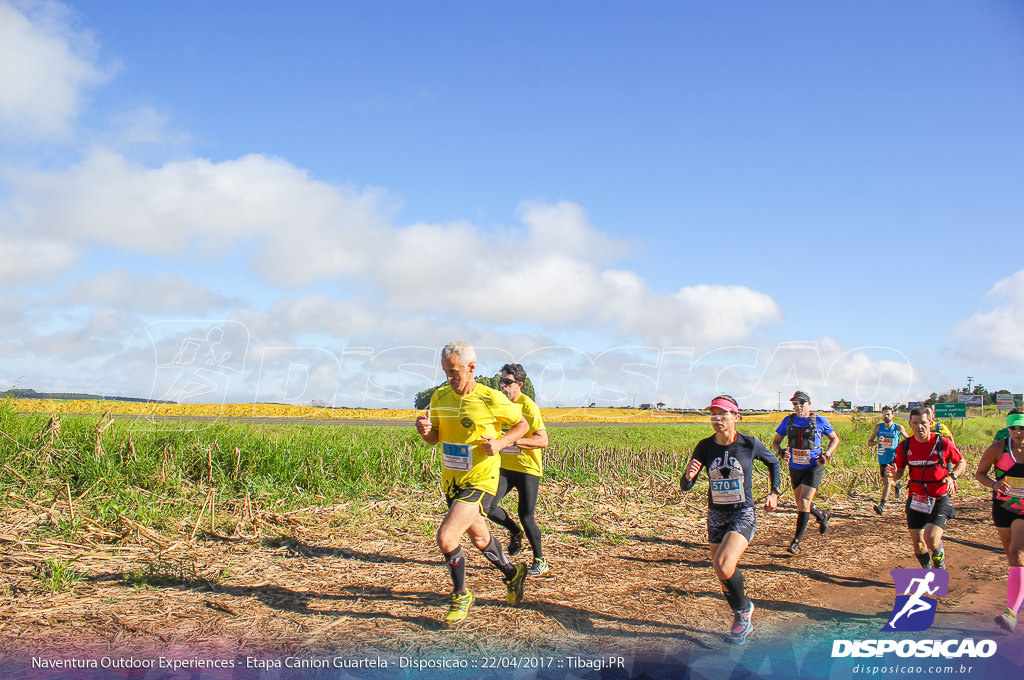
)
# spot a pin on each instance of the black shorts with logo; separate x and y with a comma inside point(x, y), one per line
point(941, 511)
point(471, 496)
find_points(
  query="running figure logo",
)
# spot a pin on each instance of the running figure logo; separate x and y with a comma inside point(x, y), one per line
point(914, 609)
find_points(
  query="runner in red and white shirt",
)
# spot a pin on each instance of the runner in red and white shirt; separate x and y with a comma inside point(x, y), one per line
point(933, 464)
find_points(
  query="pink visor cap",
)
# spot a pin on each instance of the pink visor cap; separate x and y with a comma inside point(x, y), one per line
point(724, 404)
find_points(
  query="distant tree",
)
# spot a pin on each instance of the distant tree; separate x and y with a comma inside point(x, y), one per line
point(422, 400)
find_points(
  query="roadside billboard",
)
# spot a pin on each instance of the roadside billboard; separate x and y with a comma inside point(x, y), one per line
point(950, 410)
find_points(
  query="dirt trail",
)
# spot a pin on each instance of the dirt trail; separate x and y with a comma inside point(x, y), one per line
point(626, 578)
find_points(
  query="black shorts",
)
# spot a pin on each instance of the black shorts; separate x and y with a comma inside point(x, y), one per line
point(721, 522)
point(942, 511)
point(1001, 516)
point(807, 477)
point(470, 495)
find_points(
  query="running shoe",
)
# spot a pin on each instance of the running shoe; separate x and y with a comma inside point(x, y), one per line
point(539, 566)
point(939, 562)
point(458, 610)
point(880, 509)
point(794, 547)
point(516, 584)
point(1007, 620)
point(741, 625)
point(515, 544)
point(823, 522)
point(899, 485)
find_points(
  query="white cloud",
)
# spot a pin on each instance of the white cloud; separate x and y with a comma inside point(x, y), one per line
point(33, 259)
point(45, 65)
point(145, 127)
point(563, 228)
point(161, 293)
point(305, 230)
point(995, 334)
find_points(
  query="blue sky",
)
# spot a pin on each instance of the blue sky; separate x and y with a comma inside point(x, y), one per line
point(640, 202)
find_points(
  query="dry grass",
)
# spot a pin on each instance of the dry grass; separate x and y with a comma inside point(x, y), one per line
point(630, 573)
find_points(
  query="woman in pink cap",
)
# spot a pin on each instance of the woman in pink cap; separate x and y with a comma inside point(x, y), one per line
point(728, 457)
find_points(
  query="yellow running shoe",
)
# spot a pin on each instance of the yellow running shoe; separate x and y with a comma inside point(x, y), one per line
point(459, 608)
point(1008, 619)
point(516, 584)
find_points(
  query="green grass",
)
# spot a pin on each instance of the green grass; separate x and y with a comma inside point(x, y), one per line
point(58, 576)
point(160, 474)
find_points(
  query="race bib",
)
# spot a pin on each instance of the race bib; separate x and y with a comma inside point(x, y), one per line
point(921, 503)
point(884, 443)
point(511, 450)
point(727, 491)
point(1016, 486)
point(800, 456)
point(457, 456)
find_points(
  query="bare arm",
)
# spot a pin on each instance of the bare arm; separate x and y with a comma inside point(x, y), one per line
point(833, 444)
point(492, 446)
point(988, 459)
point(873, 440)
point(426, 430)
point(537, 440)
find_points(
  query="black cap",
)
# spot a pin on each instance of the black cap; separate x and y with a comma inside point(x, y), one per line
point(800, 395)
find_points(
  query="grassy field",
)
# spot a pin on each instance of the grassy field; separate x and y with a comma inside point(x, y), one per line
point(96, 473)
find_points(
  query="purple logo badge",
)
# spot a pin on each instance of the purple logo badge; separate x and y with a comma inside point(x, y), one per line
point(917, 593)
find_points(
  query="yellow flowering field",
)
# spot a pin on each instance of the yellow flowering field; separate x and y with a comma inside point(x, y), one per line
point(552, 415)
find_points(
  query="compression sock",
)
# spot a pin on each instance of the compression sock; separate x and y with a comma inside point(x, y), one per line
point(802, 518)
point(732, 587)
point(1015, 588)
point(456, 563)
point(496, 556)
point(924, 559)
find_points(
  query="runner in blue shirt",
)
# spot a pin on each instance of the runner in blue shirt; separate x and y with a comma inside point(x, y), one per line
point(884, 438)
point(804, 431)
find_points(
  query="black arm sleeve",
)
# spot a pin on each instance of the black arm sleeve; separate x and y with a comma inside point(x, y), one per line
point(685, 484)
point(698, 455)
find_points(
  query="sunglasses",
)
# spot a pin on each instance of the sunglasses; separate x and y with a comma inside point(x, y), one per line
point(1015, 428)
point(505, 382)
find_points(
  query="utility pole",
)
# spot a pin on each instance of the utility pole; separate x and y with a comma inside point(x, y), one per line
point(780, 401)
point(634, 401)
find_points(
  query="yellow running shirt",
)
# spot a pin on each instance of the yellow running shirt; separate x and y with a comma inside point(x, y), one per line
point(526, 460)
point(461, 421)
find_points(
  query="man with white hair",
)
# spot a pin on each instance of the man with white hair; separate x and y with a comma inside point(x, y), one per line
point(467, 418)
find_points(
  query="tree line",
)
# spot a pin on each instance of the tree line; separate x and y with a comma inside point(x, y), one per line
point(423, 398)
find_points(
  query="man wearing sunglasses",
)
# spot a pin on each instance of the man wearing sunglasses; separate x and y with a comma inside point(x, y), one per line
point(804, 432)
point(521, 469)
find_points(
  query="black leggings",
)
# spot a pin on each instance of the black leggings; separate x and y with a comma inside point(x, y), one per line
point(528, 487)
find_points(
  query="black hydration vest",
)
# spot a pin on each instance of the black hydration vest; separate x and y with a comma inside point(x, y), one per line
point(802, 437)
